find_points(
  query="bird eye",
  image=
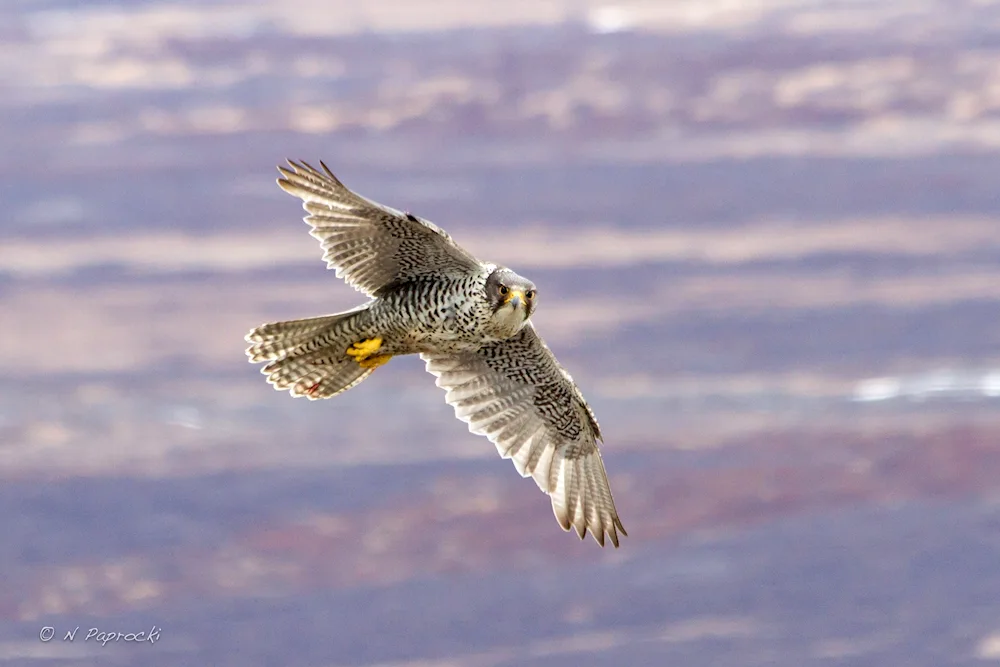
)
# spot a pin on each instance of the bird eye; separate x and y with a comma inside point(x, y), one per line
point(503, 289)
point(530, 294)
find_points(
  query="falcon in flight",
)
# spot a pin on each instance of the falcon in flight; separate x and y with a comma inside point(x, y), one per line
point(468, 320)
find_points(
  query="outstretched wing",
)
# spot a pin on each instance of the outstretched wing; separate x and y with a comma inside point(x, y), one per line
point(371, 246)
point(515, 393)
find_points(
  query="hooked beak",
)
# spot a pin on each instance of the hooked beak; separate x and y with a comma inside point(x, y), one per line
point(515, 297)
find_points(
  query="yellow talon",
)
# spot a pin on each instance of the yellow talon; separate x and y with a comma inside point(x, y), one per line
point(364, 349)
point(374, 361)
point(364, 353)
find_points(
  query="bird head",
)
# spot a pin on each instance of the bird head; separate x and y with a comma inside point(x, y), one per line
point(512, 299)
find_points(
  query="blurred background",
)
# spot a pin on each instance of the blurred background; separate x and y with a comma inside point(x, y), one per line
point(767, 236)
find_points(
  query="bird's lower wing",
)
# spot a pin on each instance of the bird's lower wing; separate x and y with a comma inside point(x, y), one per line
point(516, 394)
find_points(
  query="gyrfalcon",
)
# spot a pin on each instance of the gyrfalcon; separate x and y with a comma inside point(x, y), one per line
point(468, 320)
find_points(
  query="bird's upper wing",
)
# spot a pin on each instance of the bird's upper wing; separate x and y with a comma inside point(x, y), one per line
point(371, 246)
point(515, 393)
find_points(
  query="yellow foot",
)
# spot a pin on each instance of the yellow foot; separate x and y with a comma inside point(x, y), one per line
point(364, 353)
point(374, 361)
point(364, 348)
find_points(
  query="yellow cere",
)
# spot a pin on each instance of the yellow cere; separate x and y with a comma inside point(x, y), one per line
point(513, 293)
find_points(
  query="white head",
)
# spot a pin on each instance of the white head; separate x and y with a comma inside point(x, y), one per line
point(512, 299)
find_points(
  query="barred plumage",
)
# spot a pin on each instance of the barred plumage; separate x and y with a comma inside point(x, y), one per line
point(469, 321)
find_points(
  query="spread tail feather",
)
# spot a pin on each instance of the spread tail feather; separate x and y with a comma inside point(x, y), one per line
point(308, 357)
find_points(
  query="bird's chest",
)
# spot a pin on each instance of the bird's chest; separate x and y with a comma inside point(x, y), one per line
point(453, 318)
point(446, 321)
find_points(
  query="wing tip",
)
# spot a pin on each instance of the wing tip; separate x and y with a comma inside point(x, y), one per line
point(329, 174)
point(611, 531)
point(302, 169)
point(602, 531)
point(296, 169)
point(601, 527)
point(299, 167)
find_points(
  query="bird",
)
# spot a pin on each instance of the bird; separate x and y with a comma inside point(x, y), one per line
point(469, 320)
